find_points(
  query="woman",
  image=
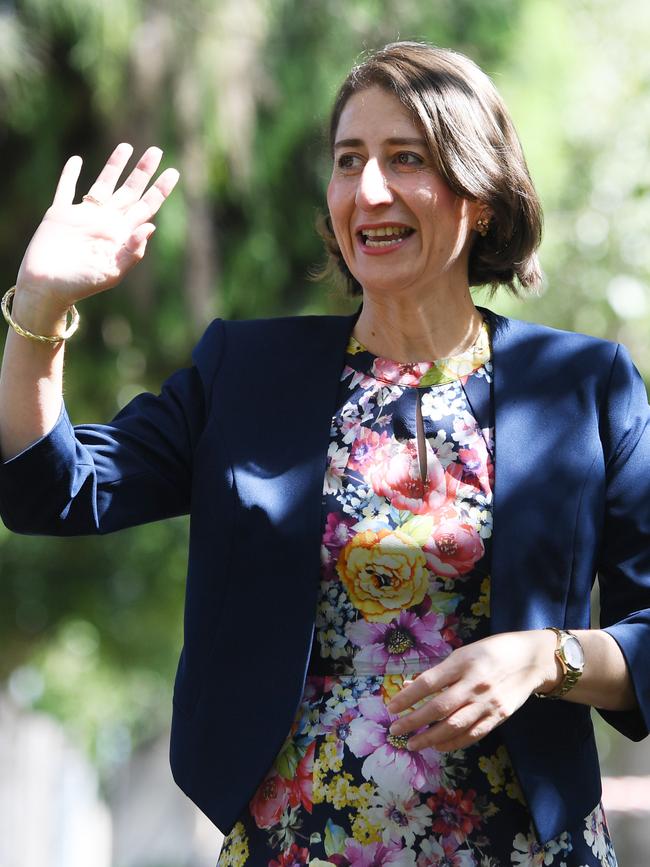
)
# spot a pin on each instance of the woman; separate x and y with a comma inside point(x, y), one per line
point(478, 472)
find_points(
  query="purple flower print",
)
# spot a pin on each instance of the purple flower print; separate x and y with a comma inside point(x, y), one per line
point(407, 643)
point(377, 854)
point(389, 763)
point(337, 534)
point(337, 724)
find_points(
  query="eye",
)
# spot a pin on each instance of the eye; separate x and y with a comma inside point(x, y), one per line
point(347, 162)
point(408, 159)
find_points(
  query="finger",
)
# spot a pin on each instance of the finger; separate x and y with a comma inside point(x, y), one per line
point(452, 730)
point(136, 183)
point(67, 185)
point(476, 732)
point(134, 248)
point(438, 708)
point(428, 682)
point(149, 205)
point(103, 187)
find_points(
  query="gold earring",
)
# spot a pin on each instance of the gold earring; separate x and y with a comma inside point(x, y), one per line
point(482, 226)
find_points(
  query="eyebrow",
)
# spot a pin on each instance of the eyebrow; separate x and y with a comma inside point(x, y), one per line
point(358, 142)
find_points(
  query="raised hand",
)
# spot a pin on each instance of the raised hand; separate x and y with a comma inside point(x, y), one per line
point(81, 249)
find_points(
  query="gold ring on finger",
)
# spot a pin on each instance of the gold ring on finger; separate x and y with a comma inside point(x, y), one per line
point(89, 198)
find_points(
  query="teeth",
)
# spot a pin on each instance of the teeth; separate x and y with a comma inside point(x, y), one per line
point(385, 230)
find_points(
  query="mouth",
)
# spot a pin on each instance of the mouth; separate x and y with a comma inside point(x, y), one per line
point(383, 237)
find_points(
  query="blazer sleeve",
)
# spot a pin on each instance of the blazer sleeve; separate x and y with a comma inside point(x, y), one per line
point(624, 562)
point(97, 478)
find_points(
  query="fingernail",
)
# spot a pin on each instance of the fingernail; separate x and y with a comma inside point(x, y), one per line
point(395, 728)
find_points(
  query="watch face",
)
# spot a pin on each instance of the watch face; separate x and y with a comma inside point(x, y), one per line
point(573, 652)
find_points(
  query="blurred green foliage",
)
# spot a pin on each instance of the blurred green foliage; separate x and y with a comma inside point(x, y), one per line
point(237, 93)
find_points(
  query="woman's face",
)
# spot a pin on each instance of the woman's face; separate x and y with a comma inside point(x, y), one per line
point(398, 225)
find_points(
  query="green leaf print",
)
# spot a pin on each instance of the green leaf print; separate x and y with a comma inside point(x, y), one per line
point(419, 528)
point(287, 762)
point(446, 603)
point(334, 839)
point(434, 376)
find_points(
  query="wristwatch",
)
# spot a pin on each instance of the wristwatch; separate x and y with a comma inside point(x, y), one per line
point(569, 653)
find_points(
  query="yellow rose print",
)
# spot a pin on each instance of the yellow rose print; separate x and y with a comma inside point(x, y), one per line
point(384, 572)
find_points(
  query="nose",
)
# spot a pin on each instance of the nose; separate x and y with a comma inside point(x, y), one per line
point(373, 186)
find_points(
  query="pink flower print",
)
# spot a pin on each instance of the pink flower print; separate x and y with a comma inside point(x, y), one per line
point(453, 549)
point(377, 854)
point(477, 467)
point(302, 789)
point(466, 431)
point(407, 643)
point(359, 378)
point(397, 477)
point(366, 448)
point(388, 762)
point(350, 428)
point(270, 800)
point(399, 374)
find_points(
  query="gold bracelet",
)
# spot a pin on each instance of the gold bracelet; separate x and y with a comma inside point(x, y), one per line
point(41, 338)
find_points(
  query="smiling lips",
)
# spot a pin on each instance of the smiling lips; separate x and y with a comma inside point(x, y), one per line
point(383, 238)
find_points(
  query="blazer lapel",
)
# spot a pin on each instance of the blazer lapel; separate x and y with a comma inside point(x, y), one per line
point(278, 449)
point(535, 487)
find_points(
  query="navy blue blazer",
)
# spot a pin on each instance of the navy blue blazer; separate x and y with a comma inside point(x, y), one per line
point(239, 441)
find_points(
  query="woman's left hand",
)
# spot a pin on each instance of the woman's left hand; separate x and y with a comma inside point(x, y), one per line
point(475, 689)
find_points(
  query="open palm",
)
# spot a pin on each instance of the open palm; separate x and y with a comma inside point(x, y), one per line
point(79, 250)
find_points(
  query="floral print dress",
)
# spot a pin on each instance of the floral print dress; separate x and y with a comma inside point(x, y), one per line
point(407, 524)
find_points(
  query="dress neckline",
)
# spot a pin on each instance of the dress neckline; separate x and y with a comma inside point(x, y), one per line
point(421, 374)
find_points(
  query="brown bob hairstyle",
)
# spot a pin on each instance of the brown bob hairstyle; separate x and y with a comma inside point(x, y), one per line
point(474, 146)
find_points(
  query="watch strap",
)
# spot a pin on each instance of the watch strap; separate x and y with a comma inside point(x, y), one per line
point(571, 675)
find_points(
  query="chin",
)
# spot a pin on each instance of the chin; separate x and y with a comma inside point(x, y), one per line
point(384, 285)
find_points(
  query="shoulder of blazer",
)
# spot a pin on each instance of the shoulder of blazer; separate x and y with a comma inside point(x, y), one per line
point(274, 343)
point(536, 359)
point(516, 332)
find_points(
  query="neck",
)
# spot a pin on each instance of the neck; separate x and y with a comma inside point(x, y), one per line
point(424, 330)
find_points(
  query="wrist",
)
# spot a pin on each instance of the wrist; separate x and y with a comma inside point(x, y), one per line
point(38, 312)
point(550, 669)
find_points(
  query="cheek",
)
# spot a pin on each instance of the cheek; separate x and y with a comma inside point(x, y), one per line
point(446, 198)
point(336, 205)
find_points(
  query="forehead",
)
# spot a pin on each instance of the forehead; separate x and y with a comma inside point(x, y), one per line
point(376, 113)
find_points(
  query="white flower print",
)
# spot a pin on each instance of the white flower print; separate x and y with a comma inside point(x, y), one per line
point(594, 833)
point(443, 853)
point(439, 403)
point(442, 448)
point(530, 853)
point(337, 461)
point(332, 643)
point(466, 431)
point(401, 818)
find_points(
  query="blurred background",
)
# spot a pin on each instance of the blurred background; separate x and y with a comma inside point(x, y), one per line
point(237, 93)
